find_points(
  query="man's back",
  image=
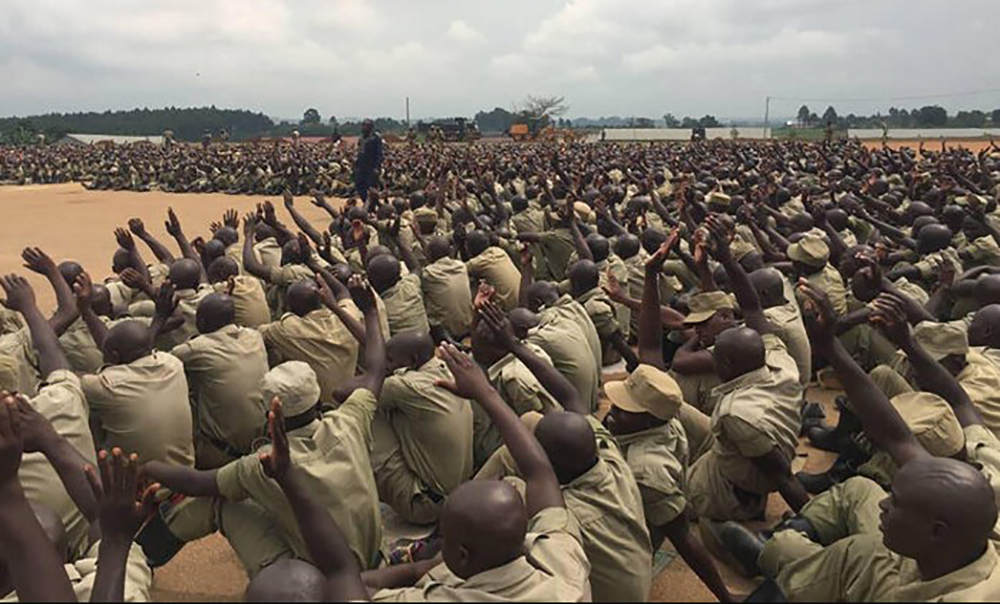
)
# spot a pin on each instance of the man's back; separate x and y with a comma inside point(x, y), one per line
point(447, 295)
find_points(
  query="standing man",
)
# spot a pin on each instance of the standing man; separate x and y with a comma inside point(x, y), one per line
point(369, 161)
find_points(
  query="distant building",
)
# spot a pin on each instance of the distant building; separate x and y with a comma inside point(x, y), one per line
point(91, 139)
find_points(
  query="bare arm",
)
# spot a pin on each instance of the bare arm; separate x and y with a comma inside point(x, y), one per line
point(250, 262)
point(332, 300)
point(84, 290)
point(21, 297)
point(746, 293)
point(66, 311)
point(301, 221)
point(159, 250)
point(174, 229)
point(775, 466)
point(179, 479)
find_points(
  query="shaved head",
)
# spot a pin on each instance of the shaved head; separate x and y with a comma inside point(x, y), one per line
point(738, 351)
point(409, 349)
point(215, 312)
point(303, 297)
point(483, 525)
point(569, 441)
point(287, 581)
point(127, 342)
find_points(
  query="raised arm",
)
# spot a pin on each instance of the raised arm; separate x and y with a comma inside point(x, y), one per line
point(879, 418)
point(127, 243)
point(250, 262)
point(180, 479)
point(21, 297)
point(33, 564)
point(66, 312)
point(746, 293)
point(650, 313)
point(470, 382)
point(331, 299)
point(326, 543)
point(554, 382)
point(83, 289)
point(375, 361)
point(173, 226)
point(159, 250)
point(300, 221)
point(890, 318)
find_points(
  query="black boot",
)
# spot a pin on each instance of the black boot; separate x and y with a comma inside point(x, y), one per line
point(812, 417)
point(815, 484)
point(743, 546)
point(836, 439)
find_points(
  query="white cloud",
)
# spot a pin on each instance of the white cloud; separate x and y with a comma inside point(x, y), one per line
point(460, 31)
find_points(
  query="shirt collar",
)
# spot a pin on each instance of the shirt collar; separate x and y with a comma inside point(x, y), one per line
point(744, 381)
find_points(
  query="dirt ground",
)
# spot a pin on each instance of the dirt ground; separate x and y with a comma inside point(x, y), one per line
point(69, 222)
point(933, 144)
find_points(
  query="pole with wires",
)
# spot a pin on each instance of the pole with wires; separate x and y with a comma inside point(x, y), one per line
point(767, 116)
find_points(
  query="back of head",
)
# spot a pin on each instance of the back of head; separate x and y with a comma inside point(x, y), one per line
point(770, 287)
point(652, 239)
point(541, 293)
point(227, 235)
point(483, 525)
point(383, 272)
point(583, 277)
point(933, 238)
point(627, 246)
point(477, 242)
point(987, 290)
point(738, 351)
point(985, 327)
point(185, 274)
point(303, 297)
point(287, 581)
point(409, 349)
point(438, 248)
point(214, 249)
point(599, 246)
point(215, 311)
point(222, 269)
point(70, 271)
point(127, 341)
point(569, 441)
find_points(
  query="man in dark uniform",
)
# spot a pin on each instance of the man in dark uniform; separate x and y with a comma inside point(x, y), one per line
point(369, 161)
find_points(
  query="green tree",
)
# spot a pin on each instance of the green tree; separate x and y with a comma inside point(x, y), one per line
point(311, 116)
point(670, 121)
point(804, 115)
point(932, 116)
point(969, 119)
point(709, 121)
point(830, 115)
point(995, 117)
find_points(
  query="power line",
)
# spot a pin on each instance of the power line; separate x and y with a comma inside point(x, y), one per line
point(893, 98)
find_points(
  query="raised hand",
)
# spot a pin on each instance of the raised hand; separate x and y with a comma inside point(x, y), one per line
point(527, 256)
point(469, 381)
point(494, 318)
point(249, 225)
point(35, 428)
point(655, 263)
point(20, 295)
point(720, 234)
point(173, 224)
point(231, 219)
point(37, 261)
point(124, 505)
point(484, 294)
point(361, 293)
point(137, 227)
point(325, 293)
point(818, 314)
point(288, 199)
point(166, 302)
point(278, 461)
point(134, 279)
point(214, 228)
point(124, 239)
point(83, 288)
point(889, 316)
point(270, 217)
point(613, 288)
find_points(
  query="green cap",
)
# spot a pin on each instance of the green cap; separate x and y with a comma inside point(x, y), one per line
point(703, 306)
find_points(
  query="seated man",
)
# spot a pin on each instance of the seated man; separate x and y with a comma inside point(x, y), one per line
point(139, 400)
point(423, 435)
point(247, 293)
point(332, 448)
point(492, 265)
point(224, 367)
point(291, 270)
point(313, 333)
point(403, 297)
point(586, 289)
point(445, 282)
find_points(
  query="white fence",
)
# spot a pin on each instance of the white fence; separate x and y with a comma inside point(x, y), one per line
point(677, 134)
point(928, 133)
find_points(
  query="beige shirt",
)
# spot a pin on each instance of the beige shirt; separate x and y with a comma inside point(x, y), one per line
point(659, 461)
point(19, 346)
point(830, 281)
point(564, 337)
point(267, 251)
point(319, 339)
point(404, 305)
point(495, 267)
point(434, 426)
point(83, 573)
point(602, 314)
point(787, 321)
point(249, 300)
point(981, 380)
point(60, 400)
point(334, 464)
point(187, 306)
point(143, 408)
point(982, 449)
point(553, 569)
point(224, 370)
point(80, 349)
point(756, 413)
point(447, 295)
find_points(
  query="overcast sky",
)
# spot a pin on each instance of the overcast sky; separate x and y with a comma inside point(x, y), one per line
point(608, 57)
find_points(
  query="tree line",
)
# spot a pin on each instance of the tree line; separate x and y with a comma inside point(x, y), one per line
point(928, 116)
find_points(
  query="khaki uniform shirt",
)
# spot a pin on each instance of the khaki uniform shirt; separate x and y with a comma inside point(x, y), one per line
point(61, 402)
point(281, 278)
point(556, 248)
point(757, 412)
point(249, 300)
point(608, 507)
point(563, 338)
point(553, 569)
point(787, 321)
point(434, 426)
point(981, 380)
point(447, 296)
point(80, 349)
point(319, 339)
point(930, 265)
point(235, 252)
point(912, 290)
point(187, 305)
point(19, 346)
point(982, 449)
point(267, 251)
point(521, 390)
point(224, 370)
point(143, 408)
point(83, 573)
point(983, 252)
point(333, 458)
point(495, 267)
point(830, 281)
point(659, 461)
point(404, 304)
point(531, 220)
point(601, 311)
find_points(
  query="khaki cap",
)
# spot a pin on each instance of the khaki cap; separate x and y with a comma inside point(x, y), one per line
point(741, 247)
point(583, 211)
point(532, 419)
point(425, 216)
point(718, 199)
point(10, 373)
point(703, 306)
point(295, 384)
point(941, 339)
point(932, 421)
point(647, 390)
point(810, 250)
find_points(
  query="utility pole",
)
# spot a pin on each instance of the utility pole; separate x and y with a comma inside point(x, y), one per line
point(407, 113)
point(767, 116)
